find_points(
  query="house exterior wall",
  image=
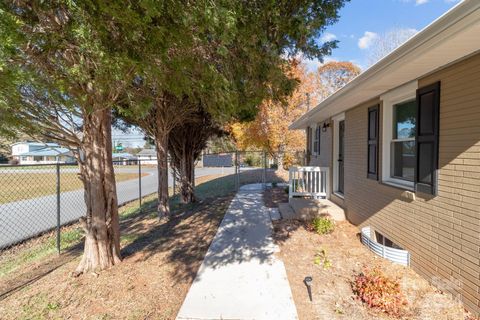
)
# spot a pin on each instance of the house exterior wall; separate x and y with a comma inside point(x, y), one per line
point(442, 233)
point(26, 160)
point(147, 159)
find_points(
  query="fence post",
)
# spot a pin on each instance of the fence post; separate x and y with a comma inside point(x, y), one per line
point(237, 171)
point(58, 207)
point(264, 177)
point(140, 185)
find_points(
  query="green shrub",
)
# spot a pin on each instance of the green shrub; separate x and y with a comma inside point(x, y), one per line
point(323, 225)
point(253, 159)
point(322, 259)
point(378, 291)
point(287, 189)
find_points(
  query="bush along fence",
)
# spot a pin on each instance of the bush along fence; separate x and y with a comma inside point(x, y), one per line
point(42, 199)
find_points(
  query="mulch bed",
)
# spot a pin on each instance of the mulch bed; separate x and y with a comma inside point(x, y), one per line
point(332, 292)
point(273, 196)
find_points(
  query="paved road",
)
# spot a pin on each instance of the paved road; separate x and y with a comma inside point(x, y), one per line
point(23, 219)
point(240, 277)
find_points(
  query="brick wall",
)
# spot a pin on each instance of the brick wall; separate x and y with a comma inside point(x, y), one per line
point(442, 233)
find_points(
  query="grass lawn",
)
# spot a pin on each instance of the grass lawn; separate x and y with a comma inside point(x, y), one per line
point(161, 259)
point(21, 186)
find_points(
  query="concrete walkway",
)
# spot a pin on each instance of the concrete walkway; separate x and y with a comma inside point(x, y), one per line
point(240, 278)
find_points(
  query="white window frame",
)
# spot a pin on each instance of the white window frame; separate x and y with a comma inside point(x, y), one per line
point(402, 94)
point(336, 136)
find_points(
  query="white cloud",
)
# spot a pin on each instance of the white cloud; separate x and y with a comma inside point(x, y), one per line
point(367, 39)
point(328, 37)
point(419, 2)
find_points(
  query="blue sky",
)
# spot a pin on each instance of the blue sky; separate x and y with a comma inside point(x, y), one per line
point(369, 18)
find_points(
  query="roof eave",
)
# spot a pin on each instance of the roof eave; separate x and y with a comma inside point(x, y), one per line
point(451, 17)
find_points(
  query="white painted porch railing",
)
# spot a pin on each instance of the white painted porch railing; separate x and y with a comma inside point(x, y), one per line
point(308, 182)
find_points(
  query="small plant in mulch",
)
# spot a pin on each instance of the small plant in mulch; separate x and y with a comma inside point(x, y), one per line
point(321, 225)
point(321, 259)
point(379, 292)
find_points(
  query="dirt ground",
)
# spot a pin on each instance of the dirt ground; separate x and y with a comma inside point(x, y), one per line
point(161, 260)
point(331, 290)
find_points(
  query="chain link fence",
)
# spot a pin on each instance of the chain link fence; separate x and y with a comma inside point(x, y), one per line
point(42, 201)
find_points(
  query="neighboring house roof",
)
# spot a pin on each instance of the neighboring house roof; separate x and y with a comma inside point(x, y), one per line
point(48, 152)
point(147, 152)
point(37, 144)
point(453, 36)
point(124, 155)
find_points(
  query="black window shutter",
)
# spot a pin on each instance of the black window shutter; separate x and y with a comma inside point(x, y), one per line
point(426, 138)
point(373, 119)
point(309, 140)
point(318, 139)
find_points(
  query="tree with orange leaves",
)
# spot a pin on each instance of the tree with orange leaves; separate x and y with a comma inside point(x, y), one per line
point(269, 131)
point(334, 75)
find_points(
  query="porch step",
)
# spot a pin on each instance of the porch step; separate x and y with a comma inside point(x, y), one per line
point(307, 209)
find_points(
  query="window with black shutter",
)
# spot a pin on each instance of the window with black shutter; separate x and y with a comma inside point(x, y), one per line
point(372, 166)
point(316, 140)
point(427, 134)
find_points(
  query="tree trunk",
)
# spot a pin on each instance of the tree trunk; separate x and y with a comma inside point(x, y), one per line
point(161, 143)
point(187, 177)
point(101, 224)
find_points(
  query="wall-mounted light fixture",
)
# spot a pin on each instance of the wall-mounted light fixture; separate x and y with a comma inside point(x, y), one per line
point(325, 126)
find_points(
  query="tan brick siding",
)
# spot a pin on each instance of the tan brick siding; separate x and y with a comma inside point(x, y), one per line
point(442, 233)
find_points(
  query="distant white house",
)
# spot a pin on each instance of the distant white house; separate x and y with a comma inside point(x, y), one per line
point(147, 156)
point(41, 153)
point(124, 159)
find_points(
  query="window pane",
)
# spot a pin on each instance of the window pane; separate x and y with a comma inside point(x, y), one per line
point(403, 160)
point(404, 118)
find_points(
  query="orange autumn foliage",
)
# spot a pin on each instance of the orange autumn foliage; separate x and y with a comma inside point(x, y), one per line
point(269, 131)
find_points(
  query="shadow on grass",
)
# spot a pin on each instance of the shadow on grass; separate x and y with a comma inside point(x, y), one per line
point(185, 237)
point(175, 239)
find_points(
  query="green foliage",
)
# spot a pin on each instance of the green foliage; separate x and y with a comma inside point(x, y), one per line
point(253, 159)
point(323, 225)
point(378, 291)
point(321, 259)
point(79, 56)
